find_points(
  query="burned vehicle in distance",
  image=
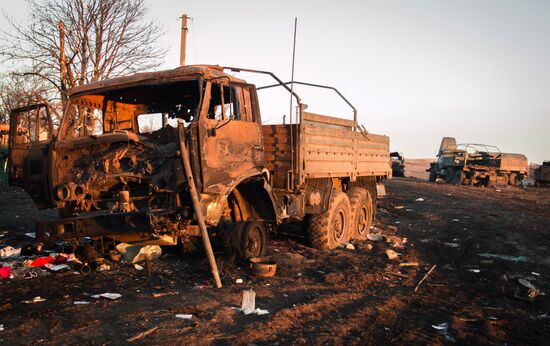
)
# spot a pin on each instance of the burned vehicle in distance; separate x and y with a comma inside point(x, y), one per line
point(397, 164)
point(115, 168)
point(477, 164)
point(541, 175)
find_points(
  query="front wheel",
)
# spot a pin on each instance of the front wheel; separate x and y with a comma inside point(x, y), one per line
point(460, 176)
point(450, 174)
point(331, 228)
point(247, 239)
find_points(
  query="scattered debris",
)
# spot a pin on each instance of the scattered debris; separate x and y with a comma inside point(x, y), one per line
point(56, 267)
point(138, 267)
point(425, 276)
point(239, 281)
point(135, 253)
point(184, 316)
point(474, 270)
point(535, 273)
point(248, 305)
point(376, 237)
point(111, 296)
point(505, 257)
point(1, 327)
point(455, 245)
point(392, 254)
point(263, 267)
point(349, 246)
point(142, 334)
point(5, 272)
point(31, 234)
point(164, 294)
point(441, 326)
point(533, 292)
point(419, 199)
point(409, 264)
point(81, 302)
point(103, 268)
point(10, 253)
point(399, 207)
point(35, 300)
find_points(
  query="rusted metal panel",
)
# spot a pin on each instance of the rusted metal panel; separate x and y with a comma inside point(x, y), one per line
point(514, 162)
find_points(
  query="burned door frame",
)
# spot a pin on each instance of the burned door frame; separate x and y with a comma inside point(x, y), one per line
point(28, 163)
point(231, 149)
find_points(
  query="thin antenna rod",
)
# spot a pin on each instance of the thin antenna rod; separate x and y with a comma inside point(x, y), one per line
point(291, 92)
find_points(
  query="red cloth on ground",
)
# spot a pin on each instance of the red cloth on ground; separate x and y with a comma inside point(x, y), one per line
point(40, 261)
point(5, 272)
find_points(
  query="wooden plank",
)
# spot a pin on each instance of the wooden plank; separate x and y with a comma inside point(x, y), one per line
point(325, 119)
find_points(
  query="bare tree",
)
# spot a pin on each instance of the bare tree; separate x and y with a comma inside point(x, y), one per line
point(17, 90)
point(73, 42)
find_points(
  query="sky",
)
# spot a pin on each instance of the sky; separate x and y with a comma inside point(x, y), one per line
point(415, 70)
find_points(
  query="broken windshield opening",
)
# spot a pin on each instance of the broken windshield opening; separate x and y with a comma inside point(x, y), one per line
point(140, 109)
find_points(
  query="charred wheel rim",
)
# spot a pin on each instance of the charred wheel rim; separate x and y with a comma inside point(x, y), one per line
point(253, 242)
point(363, 220)
point(338, 225)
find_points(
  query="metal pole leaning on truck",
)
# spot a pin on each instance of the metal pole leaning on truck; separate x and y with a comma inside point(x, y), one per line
point(196, 205)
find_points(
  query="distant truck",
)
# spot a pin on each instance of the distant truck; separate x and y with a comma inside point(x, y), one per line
point(477, 164)
point(397, 164)
point(542, 174)
point(117, 166)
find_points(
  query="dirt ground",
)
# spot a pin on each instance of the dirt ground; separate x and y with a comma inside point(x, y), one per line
point(335, 298)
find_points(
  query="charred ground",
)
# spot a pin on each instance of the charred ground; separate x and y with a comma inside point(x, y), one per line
point(340, 297)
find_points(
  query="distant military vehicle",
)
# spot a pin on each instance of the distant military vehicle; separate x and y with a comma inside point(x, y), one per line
point(542, 174)
point(397, 164)
point(477, 164)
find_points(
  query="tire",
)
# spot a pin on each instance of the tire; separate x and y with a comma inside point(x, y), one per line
point(433, 176)
point(328, 230)
point(537, 183)
point(513, 179)
point(450, 174)
point(248, 240)
point(460, 176)
point(506, 179)
point(362, 212)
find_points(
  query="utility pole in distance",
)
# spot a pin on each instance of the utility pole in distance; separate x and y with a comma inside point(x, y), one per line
point(183, 38)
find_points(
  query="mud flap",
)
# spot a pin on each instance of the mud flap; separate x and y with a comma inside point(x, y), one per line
point(380, 189)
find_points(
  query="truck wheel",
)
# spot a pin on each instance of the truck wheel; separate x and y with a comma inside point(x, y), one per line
point(459, 177)
point(331, 228)
point(247, 239)
point(253, 240)
point(433, 176)
point(362, 212)
point(513, 179)
point(450, 174)
point(505, 179)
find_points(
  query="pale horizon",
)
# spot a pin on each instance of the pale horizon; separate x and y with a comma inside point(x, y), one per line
point(416, 71)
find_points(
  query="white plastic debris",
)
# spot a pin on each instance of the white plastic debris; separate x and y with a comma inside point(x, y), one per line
point(452, 244)
point(56, 267)
point(239, 281)
point(350, 246)
point(36, 299)
point(375, 237)
point(419, 199)
point(103, 268)
point(31, 234)
point(474, 270)
point(249, 302)
point(10, 253)
point(81, 302)
point(248, 305)
point(399, 207)
point(456, 220)
point(111, 296)
point(441, 326)
point(135, 253)
point(1, 327)
point(138, 267)
point(184, 316)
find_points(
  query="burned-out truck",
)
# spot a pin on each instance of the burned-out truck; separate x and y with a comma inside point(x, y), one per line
point(115, 167)
point(477, 164)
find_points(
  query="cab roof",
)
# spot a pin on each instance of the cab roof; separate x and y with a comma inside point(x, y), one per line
point(188, 72)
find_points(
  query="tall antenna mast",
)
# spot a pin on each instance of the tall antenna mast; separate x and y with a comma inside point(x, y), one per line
point(291, 93)
point(184, 30)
